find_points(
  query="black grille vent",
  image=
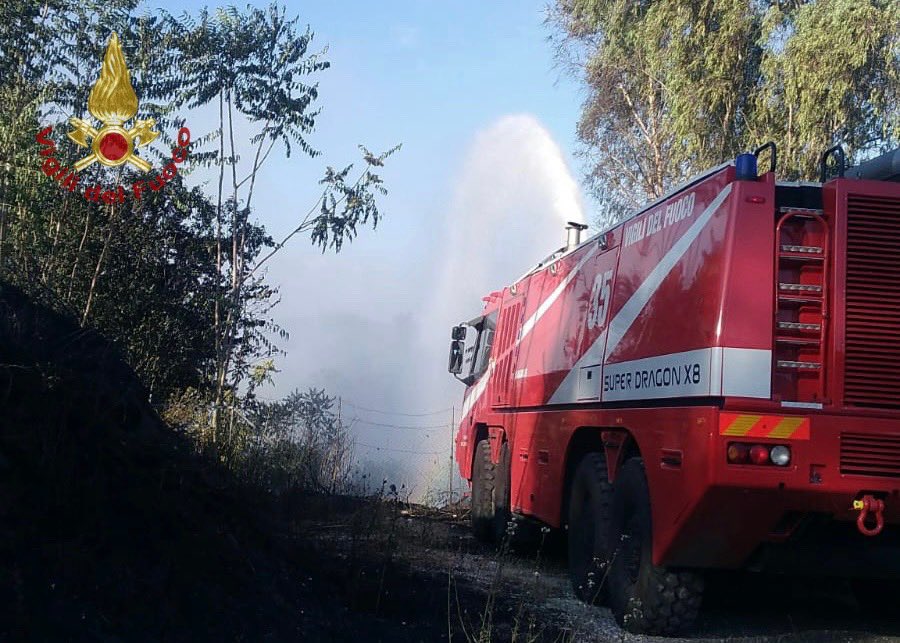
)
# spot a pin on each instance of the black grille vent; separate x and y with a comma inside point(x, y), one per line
point(872, 342)
point(870, 455)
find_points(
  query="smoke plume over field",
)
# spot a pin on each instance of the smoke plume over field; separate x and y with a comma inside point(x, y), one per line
point(374, 326)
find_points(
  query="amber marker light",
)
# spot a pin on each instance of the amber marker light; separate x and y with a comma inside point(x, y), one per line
point(738, 453)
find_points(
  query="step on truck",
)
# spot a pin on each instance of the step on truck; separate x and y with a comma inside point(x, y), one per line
point(713, 383)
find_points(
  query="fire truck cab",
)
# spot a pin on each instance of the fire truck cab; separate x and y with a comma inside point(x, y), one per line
point(712, 383)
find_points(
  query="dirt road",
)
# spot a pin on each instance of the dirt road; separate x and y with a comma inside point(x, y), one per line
point(418, 575)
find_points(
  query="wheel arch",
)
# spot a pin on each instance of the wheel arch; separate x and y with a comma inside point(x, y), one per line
point(616, 442)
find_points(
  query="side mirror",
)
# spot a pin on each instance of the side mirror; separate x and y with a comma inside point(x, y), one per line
point(456, 354)
point(459, 333)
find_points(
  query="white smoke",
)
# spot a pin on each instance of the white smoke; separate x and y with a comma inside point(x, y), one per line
point(509, 209)
point(374, 326)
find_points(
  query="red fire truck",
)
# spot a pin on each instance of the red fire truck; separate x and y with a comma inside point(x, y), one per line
point(713, 383)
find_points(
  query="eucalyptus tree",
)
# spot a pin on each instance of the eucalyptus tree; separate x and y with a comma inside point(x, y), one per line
point(676, 87)
point(830, 73)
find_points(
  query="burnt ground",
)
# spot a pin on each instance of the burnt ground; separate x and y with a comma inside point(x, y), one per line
point(112, 528)
point(405, 567)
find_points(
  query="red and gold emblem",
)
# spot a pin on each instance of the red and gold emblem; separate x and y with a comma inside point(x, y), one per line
point(112, 101)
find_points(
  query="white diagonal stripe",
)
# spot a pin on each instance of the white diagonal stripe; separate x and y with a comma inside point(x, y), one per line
point(635, 304)
point(477, 391)
point(529, 324)
point(481, 386)
point(568, 390)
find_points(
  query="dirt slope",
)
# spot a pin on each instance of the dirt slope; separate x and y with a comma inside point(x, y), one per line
point(430, 562)
point(110, 529)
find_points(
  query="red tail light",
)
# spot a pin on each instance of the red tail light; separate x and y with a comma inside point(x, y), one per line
point(759, 454)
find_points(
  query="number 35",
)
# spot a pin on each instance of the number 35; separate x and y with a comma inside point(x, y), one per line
point(599, 299)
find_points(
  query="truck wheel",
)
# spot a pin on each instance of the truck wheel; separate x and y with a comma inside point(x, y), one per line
point(483, 492)
point(645, 599)
point(589, 501)
point(502, 513)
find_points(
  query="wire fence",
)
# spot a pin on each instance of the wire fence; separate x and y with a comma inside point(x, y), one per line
point(356, 418)
point(399, 413)
point(397, 450)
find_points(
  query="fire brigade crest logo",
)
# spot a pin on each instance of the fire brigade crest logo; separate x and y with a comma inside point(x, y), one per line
point(113, 102)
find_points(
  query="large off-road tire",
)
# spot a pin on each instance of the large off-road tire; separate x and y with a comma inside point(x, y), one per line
point(644, 598)
point(483, 480)
point(502, 512)
point(590, 496)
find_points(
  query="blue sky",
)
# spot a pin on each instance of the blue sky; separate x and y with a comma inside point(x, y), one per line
point(430, 72)
point(427, 75)
point(487, 124)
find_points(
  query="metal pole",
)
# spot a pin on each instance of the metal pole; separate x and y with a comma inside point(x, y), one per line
point(334, 467)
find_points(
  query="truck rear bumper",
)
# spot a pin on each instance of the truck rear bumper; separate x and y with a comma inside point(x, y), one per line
point(745, 510)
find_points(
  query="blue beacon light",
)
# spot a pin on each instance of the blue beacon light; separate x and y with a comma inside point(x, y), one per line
point(745, 167)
